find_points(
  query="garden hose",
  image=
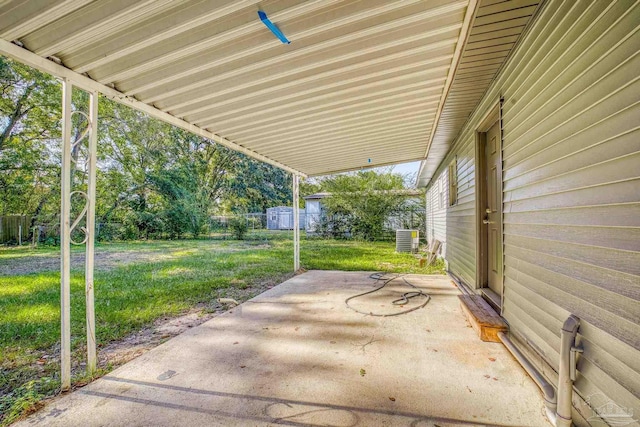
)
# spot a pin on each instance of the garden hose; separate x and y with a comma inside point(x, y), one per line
point(404, 299)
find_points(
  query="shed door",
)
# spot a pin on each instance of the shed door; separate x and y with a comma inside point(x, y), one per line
point(493, 214)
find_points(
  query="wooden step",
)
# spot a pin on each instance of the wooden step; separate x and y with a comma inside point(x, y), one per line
point(482, 317)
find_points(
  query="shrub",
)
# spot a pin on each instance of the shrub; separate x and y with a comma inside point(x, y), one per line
point(239, 228)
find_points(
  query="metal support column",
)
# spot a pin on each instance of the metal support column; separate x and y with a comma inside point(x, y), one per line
point(68, 226)
point(90, 231)
point(296, 223)
point(65, 239)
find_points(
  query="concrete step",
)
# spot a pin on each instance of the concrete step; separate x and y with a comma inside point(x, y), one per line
point(482, 317)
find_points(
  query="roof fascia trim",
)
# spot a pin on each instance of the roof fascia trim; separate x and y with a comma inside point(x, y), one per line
point(465, 31)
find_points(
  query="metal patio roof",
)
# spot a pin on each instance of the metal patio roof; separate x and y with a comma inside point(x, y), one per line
point(363, 83)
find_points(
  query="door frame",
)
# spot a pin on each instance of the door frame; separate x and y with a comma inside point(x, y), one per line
point(493, 115)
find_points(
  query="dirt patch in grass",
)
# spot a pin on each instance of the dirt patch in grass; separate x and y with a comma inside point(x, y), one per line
point(106, 258)
point(120, 352)
point(103, 261)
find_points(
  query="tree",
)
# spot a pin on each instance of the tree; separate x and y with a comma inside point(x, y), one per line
point(255, 186)
point(203, 167)
point(153, 179)
point(162, 178)
point(29, 127)
point(131, 147)
point(309, 186)
point(361, 202)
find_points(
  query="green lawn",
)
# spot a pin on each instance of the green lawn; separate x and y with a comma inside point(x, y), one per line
point(137, 283)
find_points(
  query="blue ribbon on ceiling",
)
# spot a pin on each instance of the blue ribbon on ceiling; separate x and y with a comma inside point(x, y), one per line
point(271, 26)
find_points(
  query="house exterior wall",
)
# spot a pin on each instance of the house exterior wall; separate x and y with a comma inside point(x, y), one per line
point(571, 195)
point(436, 213)
point(455, 225)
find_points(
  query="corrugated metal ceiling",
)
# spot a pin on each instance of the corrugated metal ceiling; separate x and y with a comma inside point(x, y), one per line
point(360, 85)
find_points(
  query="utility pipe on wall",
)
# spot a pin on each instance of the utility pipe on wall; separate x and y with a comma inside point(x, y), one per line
point(550, 400)
point(558, 408)
point(567, 366)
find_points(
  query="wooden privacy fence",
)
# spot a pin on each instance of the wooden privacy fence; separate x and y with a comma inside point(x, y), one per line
point(14, 228)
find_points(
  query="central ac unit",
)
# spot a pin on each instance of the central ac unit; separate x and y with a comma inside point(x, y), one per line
point(407, 240)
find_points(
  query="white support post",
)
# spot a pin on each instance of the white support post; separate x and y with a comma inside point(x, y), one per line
point(90, 232)
point(65, 239)
point(296, 223)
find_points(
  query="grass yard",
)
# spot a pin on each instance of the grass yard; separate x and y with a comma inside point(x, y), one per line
point(139, 285)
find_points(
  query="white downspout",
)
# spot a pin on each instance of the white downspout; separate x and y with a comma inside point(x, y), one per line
point(566, 371)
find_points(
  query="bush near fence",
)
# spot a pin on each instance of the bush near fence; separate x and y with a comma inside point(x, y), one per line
point(346, 226)
point(216, 227)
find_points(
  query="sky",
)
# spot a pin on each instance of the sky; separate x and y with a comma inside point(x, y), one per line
point(405, 168)
point(410, 168)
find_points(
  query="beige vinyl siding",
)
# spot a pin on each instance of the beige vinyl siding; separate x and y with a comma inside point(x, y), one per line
point(458, 222)
point(437, 202)
point(571, 193)
point(461, 227)
point(571, 151)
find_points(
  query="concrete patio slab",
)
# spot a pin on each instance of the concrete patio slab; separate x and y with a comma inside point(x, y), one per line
point(297, 356)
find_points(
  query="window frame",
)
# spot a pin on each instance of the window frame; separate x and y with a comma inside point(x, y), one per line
point(453, 181)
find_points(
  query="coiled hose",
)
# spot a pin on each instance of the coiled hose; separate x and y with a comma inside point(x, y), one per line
point(404, 299)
